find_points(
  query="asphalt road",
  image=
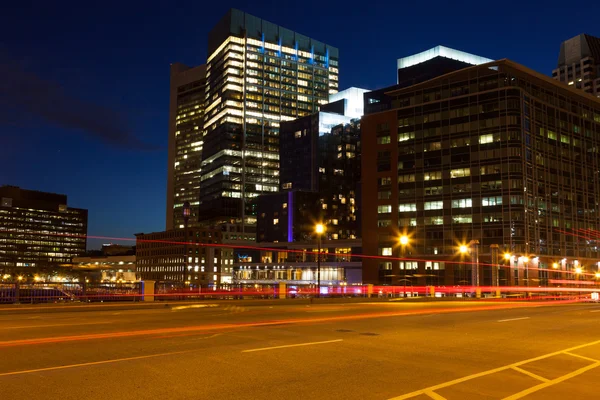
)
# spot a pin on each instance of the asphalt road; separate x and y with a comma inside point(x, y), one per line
point(220, 350)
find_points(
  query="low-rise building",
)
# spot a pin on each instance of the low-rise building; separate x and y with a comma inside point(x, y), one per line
point(161, 256)
point(296, 263)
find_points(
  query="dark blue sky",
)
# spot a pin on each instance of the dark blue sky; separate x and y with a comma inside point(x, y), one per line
point(84, 86)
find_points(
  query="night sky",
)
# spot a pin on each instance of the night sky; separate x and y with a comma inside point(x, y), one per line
point(84, 87)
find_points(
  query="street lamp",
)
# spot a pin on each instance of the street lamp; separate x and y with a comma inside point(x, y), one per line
point(404, 240)
point(319, 229)
point(464, 249)
point(186, 217)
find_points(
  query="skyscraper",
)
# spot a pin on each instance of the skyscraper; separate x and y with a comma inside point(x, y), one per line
point(258, 75)
point(579, 63)
point(186, 127)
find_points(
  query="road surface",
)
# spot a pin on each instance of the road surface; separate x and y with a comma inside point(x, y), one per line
point(371, 350)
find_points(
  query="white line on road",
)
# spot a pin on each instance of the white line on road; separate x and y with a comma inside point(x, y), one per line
point(512, 319)
point(194, 306)
point(54, 325)
point(92, 363)
point(292, 345)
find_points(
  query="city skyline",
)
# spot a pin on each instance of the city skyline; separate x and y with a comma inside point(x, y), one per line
point(119, 175)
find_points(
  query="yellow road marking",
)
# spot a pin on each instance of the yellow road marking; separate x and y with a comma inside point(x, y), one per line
point(491, 371)
point(582, 357)
point(30, 371)
point(434, 395)
point(292, 345)
point(531, 374)
point(552, 382)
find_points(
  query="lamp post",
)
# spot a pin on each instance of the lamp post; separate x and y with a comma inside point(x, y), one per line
point(319, 229)
point(404, 240)
point(186, 217)
point(473, 245)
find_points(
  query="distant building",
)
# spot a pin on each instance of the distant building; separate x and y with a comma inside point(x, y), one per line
point(107, 268)
point(38, 231)
point(419, 68)
point(160, 256)
point(494, 157)
point(579, 63)
point(186, 131)
point(290, 263)
point(117, 250)
point(259, 74)
point(320, 175)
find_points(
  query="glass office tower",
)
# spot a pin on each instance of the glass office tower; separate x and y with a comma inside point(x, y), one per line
point(258, 74)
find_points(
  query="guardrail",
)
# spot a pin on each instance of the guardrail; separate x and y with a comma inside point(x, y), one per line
point(34, 293)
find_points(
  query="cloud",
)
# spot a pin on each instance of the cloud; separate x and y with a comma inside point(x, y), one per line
point(25, 96)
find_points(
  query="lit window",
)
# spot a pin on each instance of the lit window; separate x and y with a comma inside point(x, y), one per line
point(434, 205)
point(407, 207)
point(385, 209)
point(406, 136)
point(385, 251)
point(462, 203)
point(462, 219)
point(275, 221)
point(483, 139)
point(491, 201)
point(459, 173)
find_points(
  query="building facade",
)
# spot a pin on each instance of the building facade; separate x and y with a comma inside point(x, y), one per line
point(579, 63)
point(494, 156)
point(258, 75)
point(186, 131)
point(160, 256)
point(320, 175)
point(288, 216)
point(296, 264)
point(38, 231)
point(107, 268)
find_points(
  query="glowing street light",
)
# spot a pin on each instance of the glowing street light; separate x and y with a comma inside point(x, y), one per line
point(578, 270)
point(507, 256)
point(597, 275)
point(463, 249)
point(404, 240)
point(319, 229)
point(555, 265)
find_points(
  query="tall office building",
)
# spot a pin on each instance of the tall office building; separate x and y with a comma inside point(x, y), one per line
point(258, 75)
point(579, 63)
point(186, 128)
point(320, 174)
point(38, 231)
point(496, 157)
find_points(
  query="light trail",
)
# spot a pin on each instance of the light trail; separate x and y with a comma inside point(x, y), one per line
point(230, 326)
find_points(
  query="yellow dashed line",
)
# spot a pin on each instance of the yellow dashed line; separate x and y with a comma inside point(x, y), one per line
point(531, 374)
point(430, 389)
point(552, 382)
